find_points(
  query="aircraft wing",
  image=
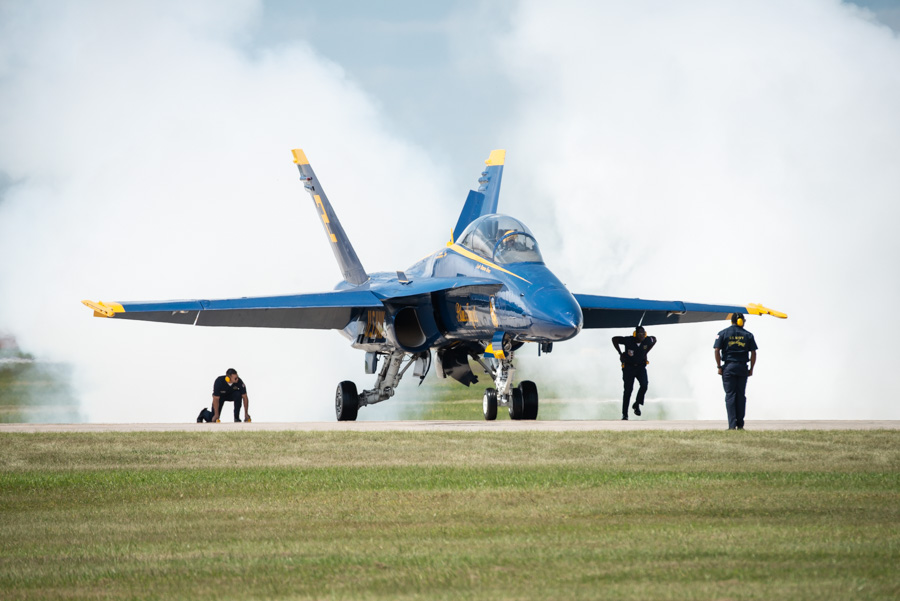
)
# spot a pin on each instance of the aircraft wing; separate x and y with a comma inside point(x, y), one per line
point(615, 312)
point(321, 311)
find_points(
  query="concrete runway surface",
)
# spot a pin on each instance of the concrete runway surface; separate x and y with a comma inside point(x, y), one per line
point(462, 426)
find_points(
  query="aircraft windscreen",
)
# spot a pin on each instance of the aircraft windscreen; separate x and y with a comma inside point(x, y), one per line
point(502, 240)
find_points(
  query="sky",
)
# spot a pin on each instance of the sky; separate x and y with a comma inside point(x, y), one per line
point(701, 151)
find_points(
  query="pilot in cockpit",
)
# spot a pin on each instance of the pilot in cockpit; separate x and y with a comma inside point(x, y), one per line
point(501, 239)
point(507, 246)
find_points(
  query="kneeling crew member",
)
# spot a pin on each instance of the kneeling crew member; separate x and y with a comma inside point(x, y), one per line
point(230, 388)
point(734, 347)
point(634, 365)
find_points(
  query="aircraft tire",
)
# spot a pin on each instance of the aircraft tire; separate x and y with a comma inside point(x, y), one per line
point(346, 402)
point(516, 405)
point(489, 404)
point(529, 399)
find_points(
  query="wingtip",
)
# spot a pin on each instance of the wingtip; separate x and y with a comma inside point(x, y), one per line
point(102, 309)
point(757, 309)
point(299, 156)
point(497, 157)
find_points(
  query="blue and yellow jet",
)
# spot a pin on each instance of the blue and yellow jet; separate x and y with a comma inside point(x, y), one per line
point(482, 297)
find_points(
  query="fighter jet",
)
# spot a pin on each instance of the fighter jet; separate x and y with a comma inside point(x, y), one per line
point(481, 298)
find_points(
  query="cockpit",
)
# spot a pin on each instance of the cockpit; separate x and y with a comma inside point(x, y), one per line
point(502, 240)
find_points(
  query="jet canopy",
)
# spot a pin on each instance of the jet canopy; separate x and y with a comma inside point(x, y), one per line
point(502, 240)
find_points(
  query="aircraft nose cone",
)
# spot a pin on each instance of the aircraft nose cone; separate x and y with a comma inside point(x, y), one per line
point(558, 315)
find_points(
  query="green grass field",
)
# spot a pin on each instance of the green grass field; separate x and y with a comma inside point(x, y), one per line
point(441, 515)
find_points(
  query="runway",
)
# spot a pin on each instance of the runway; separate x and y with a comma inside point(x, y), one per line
point(461, 426)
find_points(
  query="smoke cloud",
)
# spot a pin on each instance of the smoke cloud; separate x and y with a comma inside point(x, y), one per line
point(148, 154)
point(707, 152)
point(723, 152)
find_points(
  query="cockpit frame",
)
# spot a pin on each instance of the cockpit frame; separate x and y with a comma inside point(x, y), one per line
point(501, 239)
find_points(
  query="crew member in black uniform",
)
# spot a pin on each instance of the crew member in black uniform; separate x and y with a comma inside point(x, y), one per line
point(735, 346)
point(634, 365)
point(230, 388)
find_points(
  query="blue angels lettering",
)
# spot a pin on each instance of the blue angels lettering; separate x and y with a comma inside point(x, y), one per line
point(482, 297)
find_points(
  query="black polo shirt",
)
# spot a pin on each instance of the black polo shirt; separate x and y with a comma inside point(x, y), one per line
point(229, 391)
point(635, 354)
point(735, 343)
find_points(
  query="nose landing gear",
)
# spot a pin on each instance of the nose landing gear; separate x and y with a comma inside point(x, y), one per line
point(522, 400)
point(529, 392)
point(489, 404)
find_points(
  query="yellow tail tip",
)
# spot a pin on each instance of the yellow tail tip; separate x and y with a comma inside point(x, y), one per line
point(497, 157)
point(299, 156)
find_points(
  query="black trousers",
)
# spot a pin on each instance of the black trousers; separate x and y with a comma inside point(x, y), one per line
point(630, 373)
point(735, 384)
point(237, 408)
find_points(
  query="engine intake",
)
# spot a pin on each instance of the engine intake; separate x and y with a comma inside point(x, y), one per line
point(407, 329)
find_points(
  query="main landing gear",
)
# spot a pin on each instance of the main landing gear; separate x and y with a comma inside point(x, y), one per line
point(522, 400)
point(347, 400)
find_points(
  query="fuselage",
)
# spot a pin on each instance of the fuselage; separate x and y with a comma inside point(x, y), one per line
point(524, 299)
point(532, 305)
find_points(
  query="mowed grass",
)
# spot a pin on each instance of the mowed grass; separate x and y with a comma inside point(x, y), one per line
point(443, 515)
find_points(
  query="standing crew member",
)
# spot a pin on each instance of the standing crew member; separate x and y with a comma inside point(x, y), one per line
point(634, 365)
point(735, 346)
point(230, 388)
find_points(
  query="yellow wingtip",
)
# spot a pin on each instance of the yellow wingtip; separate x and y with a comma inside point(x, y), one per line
point(299, 156)
point(102, 309)
point(497, 157)
point(757, 309)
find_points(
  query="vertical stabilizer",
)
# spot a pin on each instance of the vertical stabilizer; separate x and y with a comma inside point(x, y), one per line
point(484, 201)
point(471, 211)
point(351, 268)
point(490, 181)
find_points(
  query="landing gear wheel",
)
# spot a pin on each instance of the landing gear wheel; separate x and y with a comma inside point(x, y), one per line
point(346, 402)
point(529, 399)
point(516, 404)
point(489, 404)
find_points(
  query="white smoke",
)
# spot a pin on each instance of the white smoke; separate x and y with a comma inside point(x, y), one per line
point(723, 152)
point(149, 158)
point(708, 152)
